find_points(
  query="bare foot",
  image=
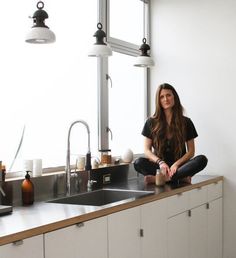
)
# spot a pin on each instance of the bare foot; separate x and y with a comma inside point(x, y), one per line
point(149, 179)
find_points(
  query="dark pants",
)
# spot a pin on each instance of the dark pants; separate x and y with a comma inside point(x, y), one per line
point(190, 168)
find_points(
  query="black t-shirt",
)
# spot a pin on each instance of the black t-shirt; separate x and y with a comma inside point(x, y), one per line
point(168, 154)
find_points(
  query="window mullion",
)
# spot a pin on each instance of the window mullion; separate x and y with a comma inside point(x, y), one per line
point(123, 46)
point(102, 71)
point(103, 111)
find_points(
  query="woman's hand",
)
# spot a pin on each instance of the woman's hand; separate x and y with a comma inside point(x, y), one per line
point(165, 170)
point(173, 169)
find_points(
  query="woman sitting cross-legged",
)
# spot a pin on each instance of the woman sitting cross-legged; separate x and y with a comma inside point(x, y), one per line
point(171, 135)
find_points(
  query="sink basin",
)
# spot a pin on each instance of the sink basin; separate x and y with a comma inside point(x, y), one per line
point(102, 197)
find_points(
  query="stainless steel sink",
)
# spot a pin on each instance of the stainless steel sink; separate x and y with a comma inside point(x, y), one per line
point(102, 197)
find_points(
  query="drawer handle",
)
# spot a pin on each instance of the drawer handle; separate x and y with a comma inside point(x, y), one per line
point(208, 205)
point(141, 232)
point(80, 224)
point(18, 242)
point(216, 183)
point(189, 213)
point(199, 188)
point(179, 194)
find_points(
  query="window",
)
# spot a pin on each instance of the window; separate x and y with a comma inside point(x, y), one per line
point(127, 97)
point(44, 88)
point(123, 25)
point(47, 87)
point(126, 104)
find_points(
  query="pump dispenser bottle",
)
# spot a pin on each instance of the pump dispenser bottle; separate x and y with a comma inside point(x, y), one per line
point(27, 189)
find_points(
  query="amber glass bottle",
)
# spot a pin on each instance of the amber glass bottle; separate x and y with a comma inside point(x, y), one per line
point(27, 189)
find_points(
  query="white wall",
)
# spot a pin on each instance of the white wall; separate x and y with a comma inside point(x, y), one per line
point(194, 46)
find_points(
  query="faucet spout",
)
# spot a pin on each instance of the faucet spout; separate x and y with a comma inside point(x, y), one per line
point(88, 155)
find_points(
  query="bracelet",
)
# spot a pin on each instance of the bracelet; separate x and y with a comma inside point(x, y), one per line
point(161, 162)
point(158, 160)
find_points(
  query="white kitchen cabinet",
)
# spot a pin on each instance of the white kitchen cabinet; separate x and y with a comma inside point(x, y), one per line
point(187, 234)
point(177, 204)
point(84, 240)
point(196, 231)
point(177, 236)
point(124, 234)
point(177, 225)
point(198, 196)
point(214, 222)
point(214, 191)
point(28, 248)
point(153, 225)
point(185, 225)
point(198, 222)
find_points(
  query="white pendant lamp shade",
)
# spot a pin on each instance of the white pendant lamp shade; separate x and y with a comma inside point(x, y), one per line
point(40, 33)
point(144, 60)
point(100, 48)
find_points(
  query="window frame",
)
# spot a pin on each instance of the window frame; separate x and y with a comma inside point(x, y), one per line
point(123, 47)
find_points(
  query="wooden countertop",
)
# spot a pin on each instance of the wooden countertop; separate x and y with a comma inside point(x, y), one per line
point(44, 217)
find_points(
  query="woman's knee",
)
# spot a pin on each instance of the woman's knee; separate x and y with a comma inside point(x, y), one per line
point(202, 161)
point(144, 166)
point(139, 164)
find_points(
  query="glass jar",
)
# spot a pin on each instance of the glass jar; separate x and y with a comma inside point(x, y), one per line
point(160, 179)
point(105, 157)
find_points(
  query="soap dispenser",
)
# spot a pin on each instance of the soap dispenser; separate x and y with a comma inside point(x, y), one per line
point(27, 189)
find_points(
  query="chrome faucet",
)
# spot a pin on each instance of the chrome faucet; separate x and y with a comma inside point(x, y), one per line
point(88, 158)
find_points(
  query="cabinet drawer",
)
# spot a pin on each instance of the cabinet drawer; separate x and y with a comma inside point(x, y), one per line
point(27, 248)
point(214, 191)
point(73, 241)
point(177, 203)
point(197, 196)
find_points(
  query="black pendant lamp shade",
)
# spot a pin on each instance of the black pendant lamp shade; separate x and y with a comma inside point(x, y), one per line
point(40, 32)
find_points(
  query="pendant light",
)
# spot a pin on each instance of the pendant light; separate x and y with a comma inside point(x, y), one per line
point(100, 48)
point(144, 60)
point(40, 33)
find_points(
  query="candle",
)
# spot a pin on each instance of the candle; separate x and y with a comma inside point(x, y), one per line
point(37, 167)
point(80, 162)
point(28, 165)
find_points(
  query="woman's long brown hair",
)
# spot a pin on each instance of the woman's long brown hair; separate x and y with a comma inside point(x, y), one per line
point(176, 129)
